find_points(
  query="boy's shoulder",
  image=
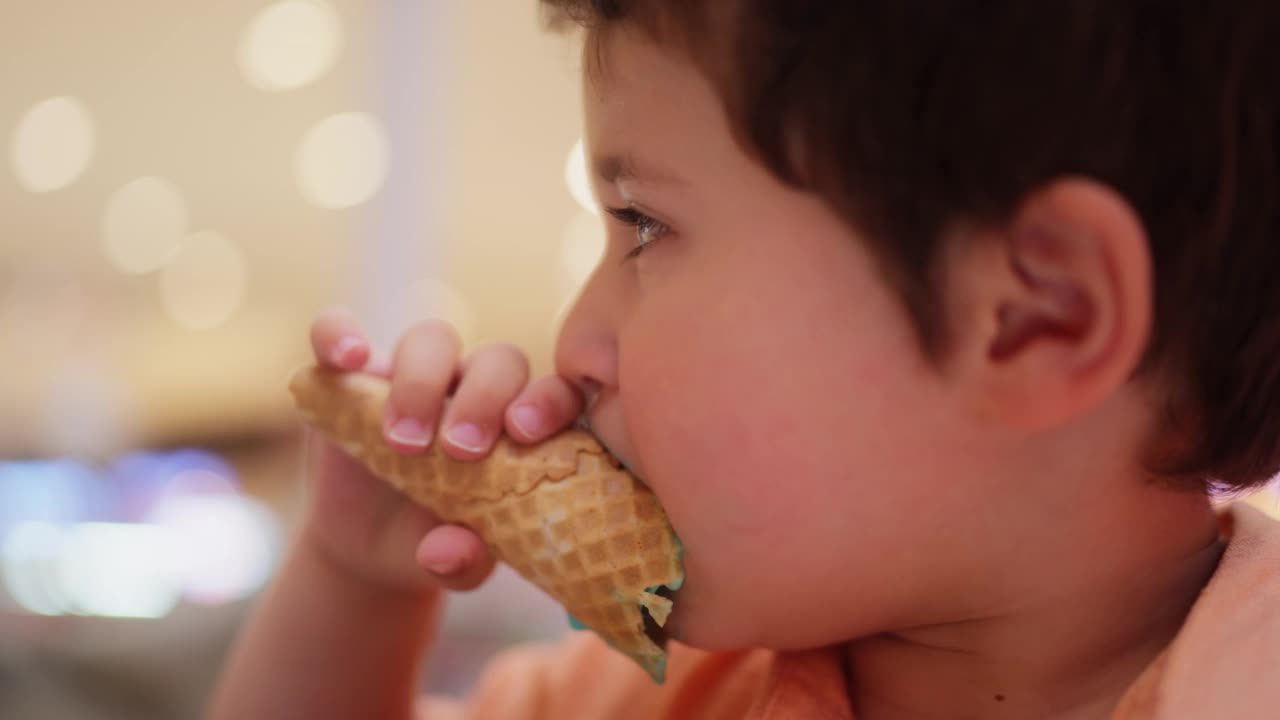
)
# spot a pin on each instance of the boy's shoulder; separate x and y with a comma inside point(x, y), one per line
point(1224, 660)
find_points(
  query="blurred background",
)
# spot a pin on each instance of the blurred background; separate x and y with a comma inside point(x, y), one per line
point(184, 185)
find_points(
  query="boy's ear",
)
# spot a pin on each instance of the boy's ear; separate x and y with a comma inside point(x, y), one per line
point(1064, 304)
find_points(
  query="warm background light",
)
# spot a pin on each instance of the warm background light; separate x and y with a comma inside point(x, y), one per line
point(145, 221)
point(342, 160)
point(53, 144)
point(577, 177)
point(290, 44)
point(204, 282)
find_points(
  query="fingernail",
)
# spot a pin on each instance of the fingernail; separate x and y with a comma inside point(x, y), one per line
point(444, 566)
point(410, 431)
point(468, 437)
point(344, 352)
point(527, 419)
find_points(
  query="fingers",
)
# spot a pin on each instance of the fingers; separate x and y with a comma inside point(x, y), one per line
point(491, 393)
point(466, 404)
point(425, 365)
point(455, 556)
point(491, 377)
point(337, 340)
point(546, 406)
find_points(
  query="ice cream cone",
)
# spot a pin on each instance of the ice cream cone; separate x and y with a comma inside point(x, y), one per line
point(564, 513)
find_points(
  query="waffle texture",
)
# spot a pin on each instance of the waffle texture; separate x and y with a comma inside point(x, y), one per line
point(564, 513)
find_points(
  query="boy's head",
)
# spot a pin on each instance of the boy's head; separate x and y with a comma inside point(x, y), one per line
point(910, 264)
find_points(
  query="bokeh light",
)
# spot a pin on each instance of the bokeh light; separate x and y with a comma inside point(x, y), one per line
point(145, 222)
point(53, 144)
point(1266, 499)
point(578, 178)
point(29, 564)
point(203, 284)
point(135, 540)
point(228, 542)
point(343, 160)
point(290, 44)
point(120, 570)
point(48, 491)
point(140, 480)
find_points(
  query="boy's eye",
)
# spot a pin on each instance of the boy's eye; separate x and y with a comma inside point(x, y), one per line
point(648, 229)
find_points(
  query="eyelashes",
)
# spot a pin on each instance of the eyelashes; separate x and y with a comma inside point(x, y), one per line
point(647, 228)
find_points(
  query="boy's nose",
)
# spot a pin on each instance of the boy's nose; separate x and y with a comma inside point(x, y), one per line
point(588, 363)
point(586, 350)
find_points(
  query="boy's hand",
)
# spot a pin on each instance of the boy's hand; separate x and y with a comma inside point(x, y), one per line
point(369, 529)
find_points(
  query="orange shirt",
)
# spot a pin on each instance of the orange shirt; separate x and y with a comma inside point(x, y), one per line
point(1224, 663)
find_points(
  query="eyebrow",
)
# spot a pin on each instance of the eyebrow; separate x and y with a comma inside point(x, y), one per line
point(615, 168)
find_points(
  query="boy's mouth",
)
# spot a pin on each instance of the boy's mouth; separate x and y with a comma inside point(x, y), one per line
point(584, 423)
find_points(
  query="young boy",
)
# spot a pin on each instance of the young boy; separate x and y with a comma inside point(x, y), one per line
point(932, 324)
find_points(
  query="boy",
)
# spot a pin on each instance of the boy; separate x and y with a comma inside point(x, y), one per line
point(931, 324)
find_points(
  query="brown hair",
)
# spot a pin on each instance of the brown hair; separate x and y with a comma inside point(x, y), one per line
point(913, 115)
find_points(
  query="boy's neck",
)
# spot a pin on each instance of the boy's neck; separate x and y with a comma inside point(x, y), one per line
point(1068, 650)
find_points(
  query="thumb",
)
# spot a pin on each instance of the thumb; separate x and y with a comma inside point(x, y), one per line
point(455, 556)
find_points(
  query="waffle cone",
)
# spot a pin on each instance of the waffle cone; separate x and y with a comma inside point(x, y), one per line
point(564, 513)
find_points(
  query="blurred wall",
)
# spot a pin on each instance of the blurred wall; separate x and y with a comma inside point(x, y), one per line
point(184, 185)
point(476, 106)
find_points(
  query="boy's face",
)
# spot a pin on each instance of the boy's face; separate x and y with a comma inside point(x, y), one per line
point(757, 372)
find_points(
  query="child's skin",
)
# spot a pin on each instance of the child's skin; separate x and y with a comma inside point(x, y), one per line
point(977, 531)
